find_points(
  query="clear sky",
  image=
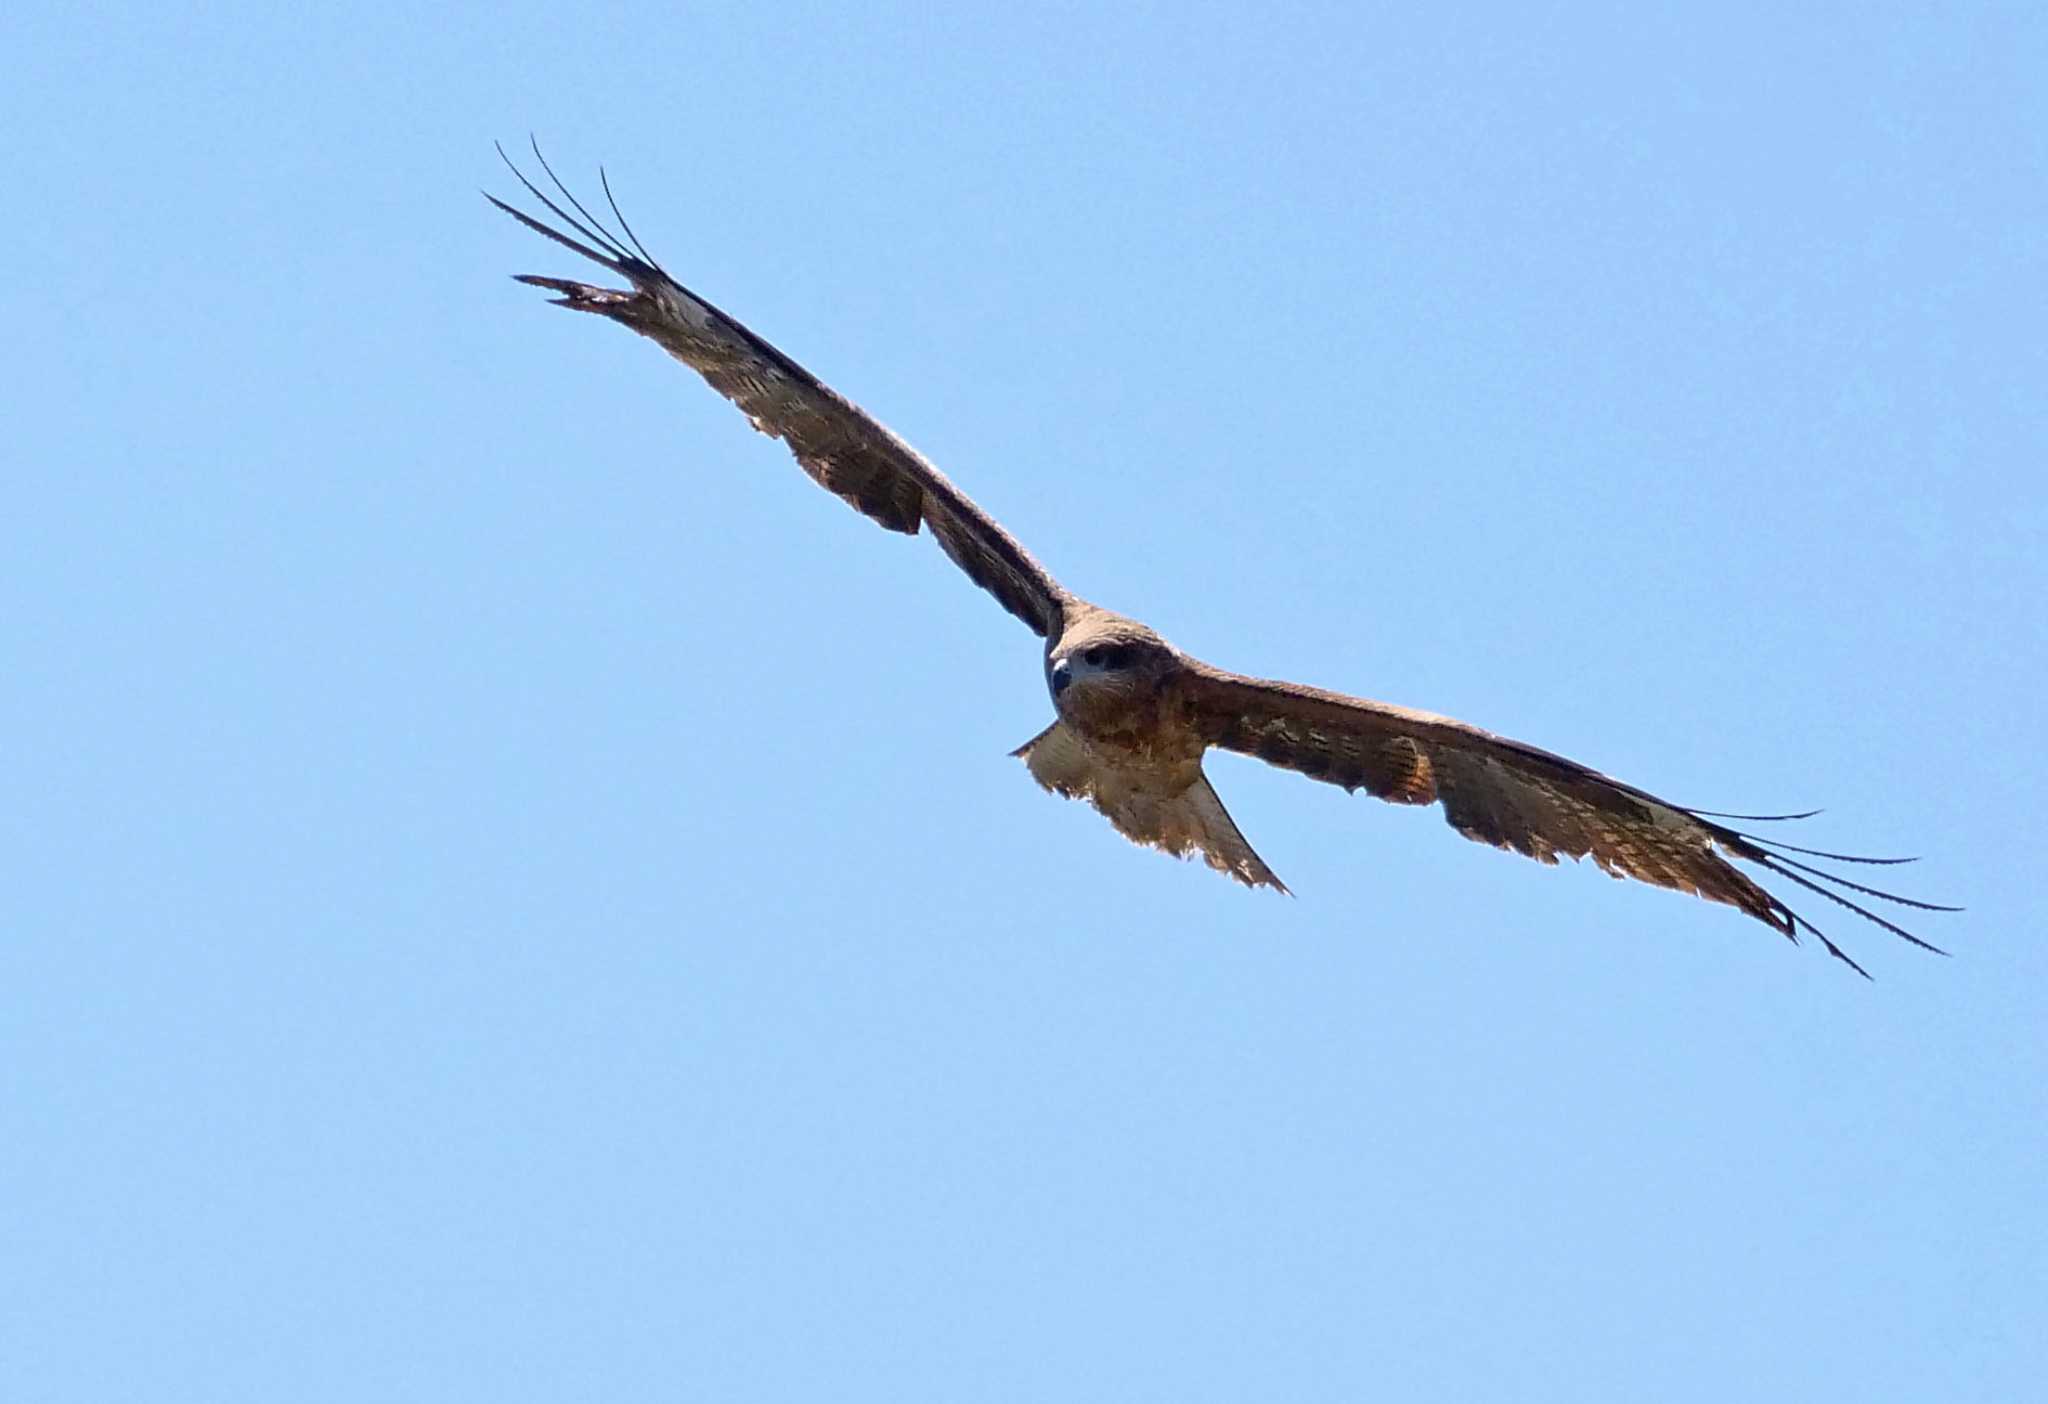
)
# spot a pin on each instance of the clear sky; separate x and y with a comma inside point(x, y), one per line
point(511, 893)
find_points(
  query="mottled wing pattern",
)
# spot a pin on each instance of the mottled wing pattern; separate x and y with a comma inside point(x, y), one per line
point(845, 449)
point(1511, 795)
point(1173, 812)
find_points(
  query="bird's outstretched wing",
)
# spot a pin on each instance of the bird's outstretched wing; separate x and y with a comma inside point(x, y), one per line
point(839, 444)
point(1517, 797)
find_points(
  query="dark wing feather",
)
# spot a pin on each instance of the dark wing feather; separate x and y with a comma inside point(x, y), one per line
point(844, 448)
point(1508, 794)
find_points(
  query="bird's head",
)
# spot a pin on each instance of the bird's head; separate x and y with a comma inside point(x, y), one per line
point(1109, 658)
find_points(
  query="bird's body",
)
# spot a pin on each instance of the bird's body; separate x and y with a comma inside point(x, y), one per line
point(1134, 716)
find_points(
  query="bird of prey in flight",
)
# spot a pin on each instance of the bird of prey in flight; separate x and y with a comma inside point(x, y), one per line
point(1133, 715)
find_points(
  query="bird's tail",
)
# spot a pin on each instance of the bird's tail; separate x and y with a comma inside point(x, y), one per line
point(1184, 822)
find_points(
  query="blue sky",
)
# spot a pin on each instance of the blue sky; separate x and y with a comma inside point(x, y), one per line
point(512, 893)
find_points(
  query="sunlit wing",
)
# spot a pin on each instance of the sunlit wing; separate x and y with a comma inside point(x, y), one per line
point(1518, 797)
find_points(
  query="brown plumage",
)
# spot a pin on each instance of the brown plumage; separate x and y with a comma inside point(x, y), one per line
point(1135, 715)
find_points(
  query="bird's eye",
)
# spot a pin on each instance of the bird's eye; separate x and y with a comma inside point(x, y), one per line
point(1094, 655)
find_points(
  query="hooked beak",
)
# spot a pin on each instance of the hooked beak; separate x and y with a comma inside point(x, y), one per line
point(1061, 675)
